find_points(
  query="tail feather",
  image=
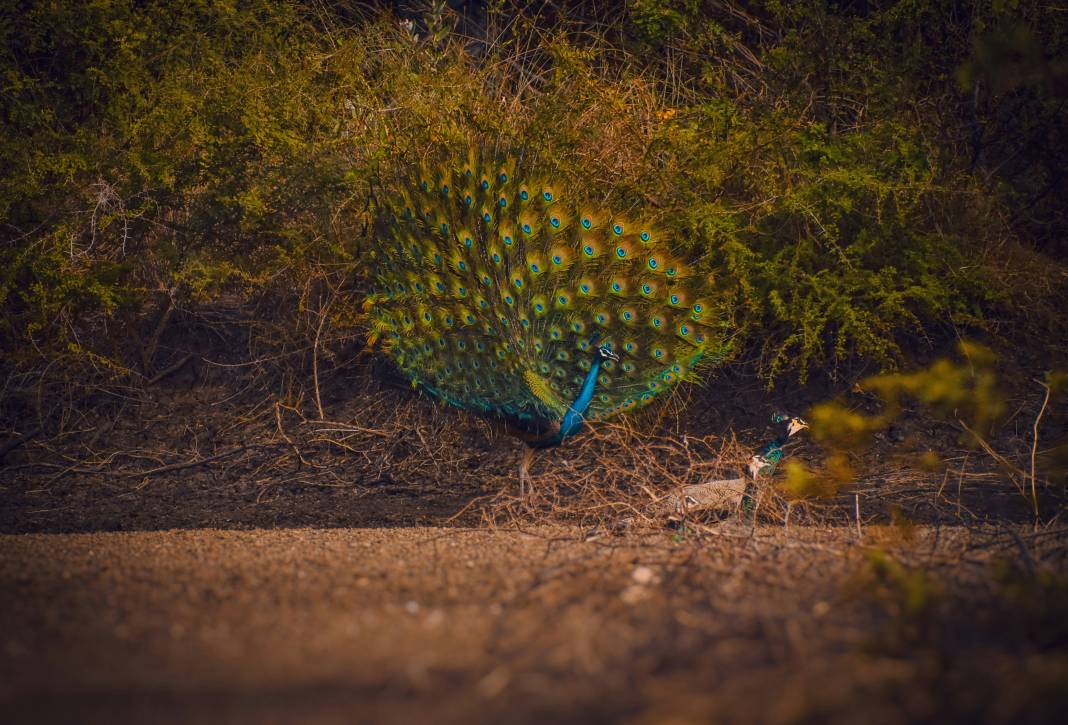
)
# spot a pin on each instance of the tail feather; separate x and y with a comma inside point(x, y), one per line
point(493, 288)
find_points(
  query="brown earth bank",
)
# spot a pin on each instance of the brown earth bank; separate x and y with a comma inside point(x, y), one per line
point(730, 623)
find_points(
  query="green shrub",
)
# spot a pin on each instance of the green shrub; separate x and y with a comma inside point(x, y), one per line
point(817, 159)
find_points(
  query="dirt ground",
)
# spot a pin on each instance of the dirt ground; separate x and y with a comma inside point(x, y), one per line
point(214, 549)
point(736, 624)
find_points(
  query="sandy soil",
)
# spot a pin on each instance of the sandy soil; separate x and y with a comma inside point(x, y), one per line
point(462, 625)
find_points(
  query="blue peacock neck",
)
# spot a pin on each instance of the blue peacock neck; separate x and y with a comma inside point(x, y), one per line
point(573, 418)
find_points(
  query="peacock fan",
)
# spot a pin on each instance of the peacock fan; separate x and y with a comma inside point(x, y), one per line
point(500, 293)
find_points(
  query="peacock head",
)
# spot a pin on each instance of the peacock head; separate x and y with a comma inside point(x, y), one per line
point(793, 423)
point(606, 353)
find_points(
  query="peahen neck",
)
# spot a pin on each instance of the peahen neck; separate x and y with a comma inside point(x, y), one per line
point(572, 421)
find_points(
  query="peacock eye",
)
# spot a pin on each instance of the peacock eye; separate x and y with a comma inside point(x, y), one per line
point(588, 251)
point(617, 228)
point(534, 268)
point(698, 309)
point(526, 229)
point(503, 178)
point(587, 222)
point(674, 299)
point(445, 189)
point(621, 252)
point(555, 222)
point(548, 196)
point(524, 195)
point(653, 263)
point(557, 260)
point(644, 236)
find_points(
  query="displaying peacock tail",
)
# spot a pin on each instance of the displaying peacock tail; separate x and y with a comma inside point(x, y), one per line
point(499, 292)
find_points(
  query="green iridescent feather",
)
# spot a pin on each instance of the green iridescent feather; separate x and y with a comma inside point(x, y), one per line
point(493, 289)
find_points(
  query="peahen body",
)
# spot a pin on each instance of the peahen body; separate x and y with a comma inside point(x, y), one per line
point(501, 293)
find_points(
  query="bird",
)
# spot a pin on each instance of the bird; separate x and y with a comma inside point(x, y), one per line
point(767, 458)
point(497, 289)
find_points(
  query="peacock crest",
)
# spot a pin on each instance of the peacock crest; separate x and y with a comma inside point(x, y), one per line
point(498, 292)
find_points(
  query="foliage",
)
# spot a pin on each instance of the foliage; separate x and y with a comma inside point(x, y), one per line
point(155, 149)
point(821, 159)
point(966, 393)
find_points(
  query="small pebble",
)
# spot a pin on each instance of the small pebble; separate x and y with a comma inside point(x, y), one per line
point(643, 575)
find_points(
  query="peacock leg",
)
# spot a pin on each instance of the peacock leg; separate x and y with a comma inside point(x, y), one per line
point(524, 470)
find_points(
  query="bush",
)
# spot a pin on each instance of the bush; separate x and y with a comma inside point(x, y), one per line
point(821, 161)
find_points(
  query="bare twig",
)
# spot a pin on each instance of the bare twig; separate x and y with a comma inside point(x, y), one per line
point(315, 358)
point(285, 436)
point(13, 443)
point(170, 370)
point(148, 352)
point(198, 462)
point(1034, 448)
point(1009, 466)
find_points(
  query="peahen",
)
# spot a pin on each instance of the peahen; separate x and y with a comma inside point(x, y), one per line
point(499, 292)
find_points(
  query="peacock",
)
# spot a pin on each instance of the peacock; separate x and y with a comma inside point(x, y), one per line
point(497, 291)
